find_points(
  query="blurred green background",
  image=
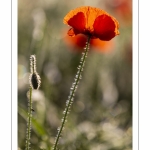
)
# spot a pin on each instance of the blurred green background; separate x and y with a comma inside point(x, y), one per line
point(101, 115)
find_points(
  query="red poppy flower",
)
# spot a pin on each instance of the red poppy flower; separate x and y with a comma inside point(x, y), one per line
point(78, 43)
point(93, 22)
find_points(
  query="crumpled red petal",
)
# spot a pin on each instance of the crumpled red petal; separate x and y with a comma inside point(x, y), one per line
point(77, 22)
point(104, 28)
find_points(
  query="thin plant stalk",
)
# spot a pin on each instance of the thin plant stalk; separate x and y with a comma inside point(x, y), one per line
point(29, 121)
point(69, 102)
point(35, 82)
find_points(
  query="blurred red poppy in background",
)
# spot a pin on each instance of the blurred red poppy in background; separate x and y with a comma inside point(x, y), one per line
point(78, 42)
point(121, 8)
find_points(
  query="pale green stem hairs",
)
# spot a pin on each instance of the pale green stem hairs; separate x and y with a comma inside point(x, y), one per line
point(73, 89)
point(35, 82)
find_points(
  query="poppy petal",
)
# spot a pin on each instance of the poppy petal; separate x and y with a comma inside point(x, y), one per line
point(77, 22)
point(71, 32)
point(105, 27)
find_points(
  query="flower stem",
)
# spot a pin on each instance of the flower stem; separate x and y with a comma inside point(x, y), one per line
point(72, 92)
point(28, 135)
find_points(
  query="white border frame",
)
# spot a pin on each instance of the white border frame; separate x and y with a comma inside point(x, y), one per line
point(14, 127)
point(144, 75)
point(135, 76)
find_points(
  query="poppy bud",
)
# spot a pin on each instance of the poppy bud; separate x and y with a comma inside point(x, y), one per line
point(34, 78)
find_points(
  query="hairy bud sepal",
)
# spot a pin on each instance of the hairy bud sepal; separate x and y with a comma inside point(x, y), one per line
point(34, 78)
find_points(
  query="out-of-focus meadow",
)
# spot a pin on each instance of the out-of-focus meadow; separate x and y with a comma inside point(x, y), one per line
point(101, 115)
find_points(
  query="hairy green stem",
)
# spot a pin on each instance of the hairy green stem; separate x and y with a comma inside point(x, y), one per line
point(28, 135)
point(72, 92)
